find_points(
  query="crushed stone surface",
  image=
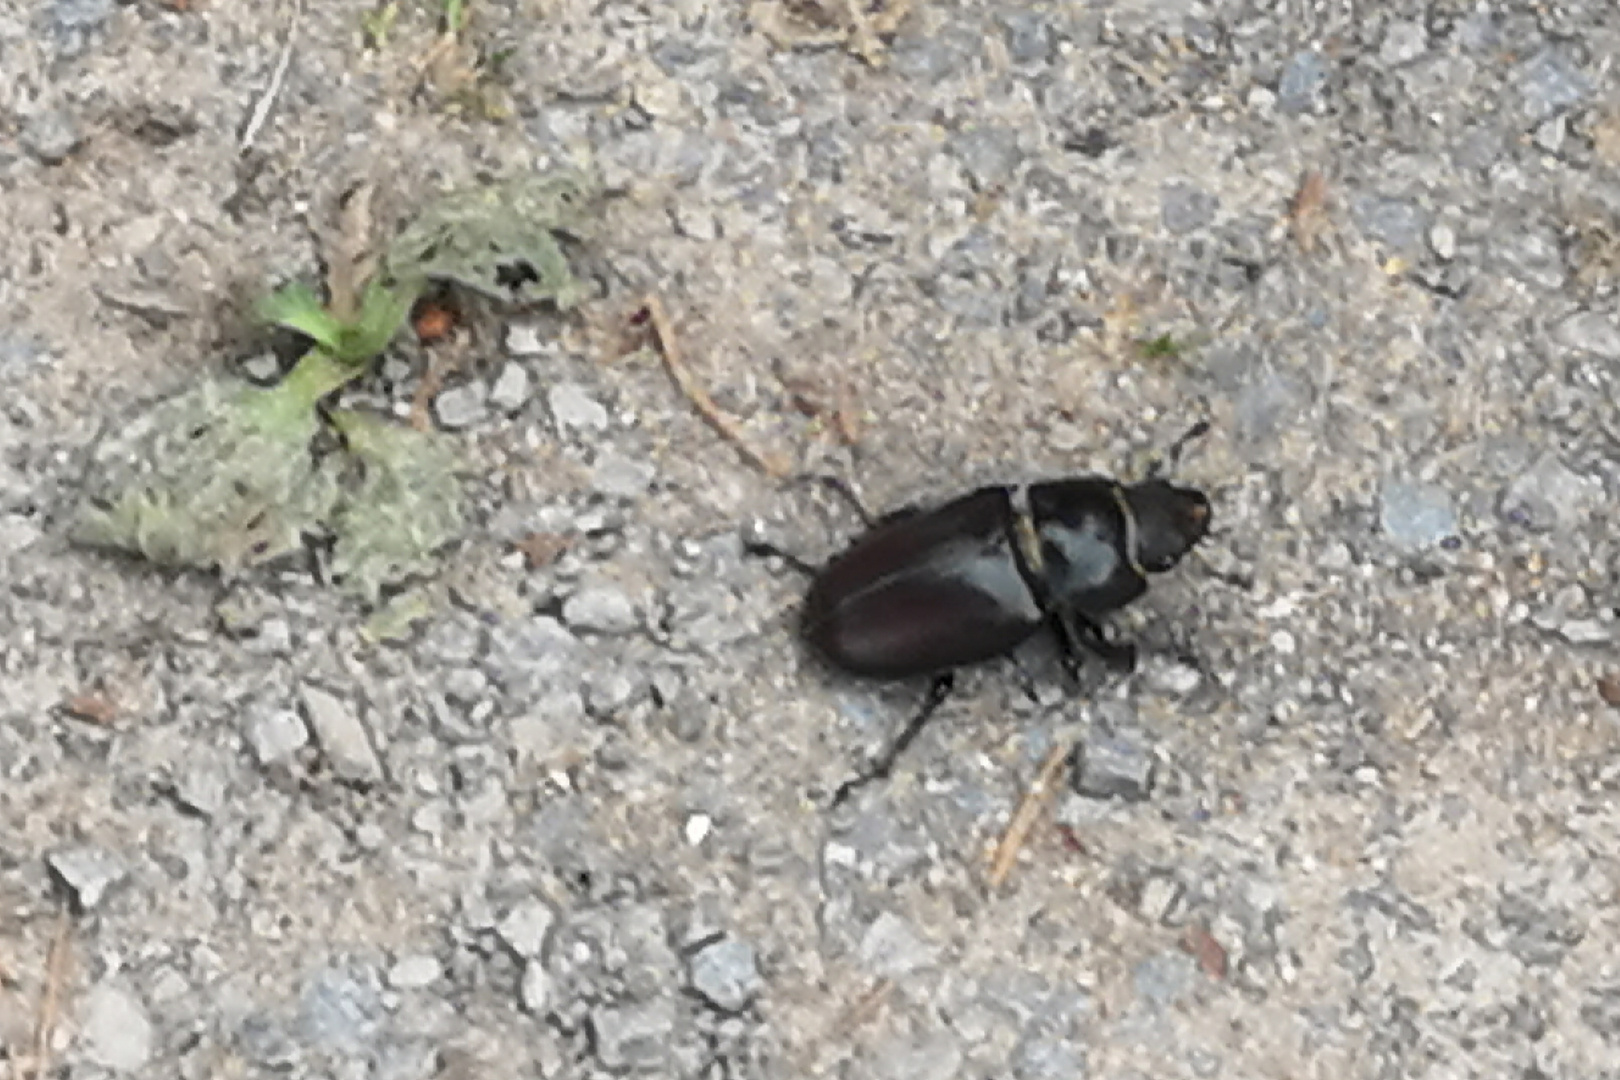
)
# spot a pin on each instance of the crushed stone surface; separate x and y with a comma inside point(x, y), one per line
point(1354, 816)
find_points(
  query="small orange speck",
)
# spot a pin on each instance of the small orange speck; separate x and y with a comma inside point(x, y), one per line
point(433, 322)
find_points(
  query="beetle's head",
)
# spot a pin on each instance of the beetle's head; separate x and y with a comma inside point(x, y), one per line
point(1169, 520)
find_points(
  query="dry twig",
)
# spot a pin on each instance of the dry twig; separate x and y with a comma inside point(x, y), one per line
point(770, 464)
point(1039, 793)
point(58, 965)
point(1307, 210)
point(261, 108)
point(93, 707)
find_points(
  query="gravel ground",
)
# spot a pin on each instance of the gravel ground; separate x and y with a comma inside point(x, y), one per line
point(1362, 818)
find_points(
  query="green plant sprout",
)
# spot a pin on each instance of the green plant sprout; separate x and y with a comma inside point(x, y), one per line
point(378, 23)
point(229, 476)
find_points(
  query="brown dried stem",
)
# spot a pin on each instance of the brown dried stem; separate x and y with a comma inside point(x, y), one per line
point(1036, 797)
point(771, 465)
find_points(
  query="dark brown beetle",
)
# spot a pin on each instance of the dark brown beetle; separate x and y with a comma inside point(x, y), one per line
point(923, 592)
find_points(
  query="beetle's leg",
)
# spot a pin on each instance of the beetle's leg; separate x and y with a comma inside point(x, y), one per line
point(1077, 632)
point(763, 549)
point(839, 487)
point(880, 769)
point(1172, 457)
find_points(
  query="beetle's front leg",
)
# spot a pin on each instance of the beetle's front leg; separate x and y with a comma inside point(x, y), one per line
point(1076, 632)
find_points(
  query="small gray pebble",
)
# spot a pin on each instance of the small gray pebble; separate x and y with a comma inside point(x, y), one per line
point(277, 735)
point(1164, 979)
point(608, 691)
point(51, 135)
point(1171, 677)
point(263, 1040)
point(934, 1057)
point(619, 477)
point(1546, 495)
point(1302, 81)
point(1416, 516)
point(510, 391)
point(466, 686)
point(1045, 1058)
point(1186, 207)
point(1116, 766)
point(694, 222)
point(273, 638)
point(341, 735)
point(525, 928)
point(890, 948)
point(415, 972)
point(116, 1031)
point(534, 990)
point(1404, 41)
point(688, 717)
point(1592, 332)
point(573, 408)
point(76, 21)
point(726, 974)
point(337, 1011)
point(1396, 223)
point(524, 339)
point(1443, 241)
point(635, 1037)
point(601, 608)
point(201, 789)
point(1551, 83)
point(1160, 894)
point(461, 406)
point(1549, 135)
point(990, 154)
point(1029, 36)
point(88, 871)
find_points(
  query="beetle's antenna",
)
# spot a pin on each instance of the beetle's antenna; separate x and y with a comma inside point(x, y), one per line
point(1171, 461)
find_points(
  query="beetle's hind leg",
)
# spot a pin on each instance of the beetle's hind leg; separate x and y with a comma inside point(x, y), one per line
point(880, 769)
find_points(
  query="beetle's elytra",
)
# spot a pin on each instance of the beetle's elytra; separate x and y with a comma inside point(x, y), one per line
point(924, 592)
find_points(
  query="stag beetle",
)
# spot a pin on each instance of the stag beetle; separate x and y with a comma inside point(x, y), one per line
point(926, 591)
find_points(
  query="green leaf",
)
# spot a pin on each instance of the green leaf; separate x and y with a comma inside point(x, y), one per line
point(383, 310)
point(296, 307)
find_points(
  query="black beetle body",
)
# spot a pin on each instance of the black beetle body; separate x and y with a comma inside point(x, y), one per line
point(924, 592)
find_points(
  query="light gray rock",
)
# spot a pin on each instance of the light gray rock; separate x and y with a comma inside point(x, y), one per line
point(341, 735)
point(525, 927)
point(1299, 90)
point(116, 1030)
point(891, 948)
point(726, 974)
point(1592, 332)
point(601, 608)
point(51, 135)
point(276, 735)
point(1547, 495)
point(574, 410)
point(461, 406)
point(635, 1037)
point(89, 872)
point(534, 988)
point(415, 972)
point(1116, 766)
point(510, 391)
point(1416, 516)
